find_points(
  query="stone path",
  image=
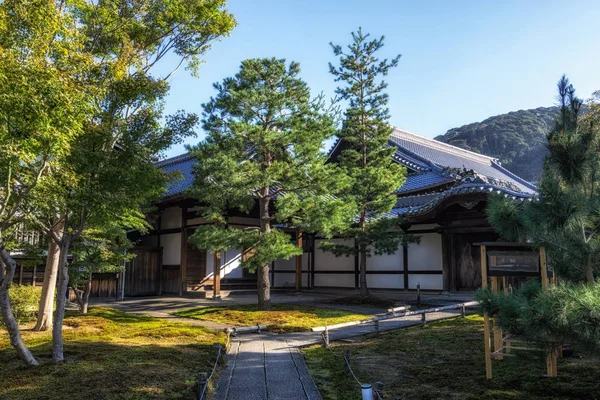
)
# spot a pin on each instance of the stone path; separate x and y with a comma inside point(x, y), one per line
point(265, 366)
point(270, 367)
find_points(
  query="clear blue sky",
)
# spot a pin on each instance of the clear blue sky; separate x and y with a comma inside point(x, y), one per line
point(462, 61)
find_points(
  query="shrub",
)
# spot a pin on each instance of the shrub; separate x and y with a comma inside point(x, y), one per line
point(565, 313)
point(24, 301)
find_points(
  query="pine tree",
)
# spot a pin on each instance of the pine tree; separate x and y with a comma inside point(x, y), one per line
point(367, 160)
point(263, 146)
point(564, 218)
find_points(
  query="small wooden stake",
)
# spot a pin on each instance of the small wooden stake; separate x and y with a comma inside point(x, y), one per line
point(217, 275)
point(497, 331)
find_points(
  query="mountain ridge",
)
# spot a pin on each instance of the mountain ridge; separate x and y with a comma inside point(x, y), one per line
point(517, 139)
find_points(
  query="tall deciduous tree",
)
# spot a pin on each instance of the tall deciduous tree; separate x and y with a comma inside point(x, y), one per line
point(109, 173)
point(263, 146)
point(367, 159)
point(43, 107)
point(565, 216)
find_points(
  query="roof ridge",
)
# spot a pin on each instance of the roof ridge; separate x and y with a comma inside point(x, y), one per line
point(514, 176)
point(173, 160)
point(443, 146)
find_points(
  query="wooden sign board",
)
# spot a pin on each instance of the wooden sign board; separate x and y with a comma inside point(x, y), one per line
point(507, 262)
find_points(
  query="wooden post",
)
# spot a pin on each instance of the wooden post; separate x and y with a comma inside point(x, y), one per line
point(497, 331)
point(543, 268)
point(486, 317)
point(20, 274)
point(183, 258)
point(217, 276)
point(551, 363)
point(299, 262)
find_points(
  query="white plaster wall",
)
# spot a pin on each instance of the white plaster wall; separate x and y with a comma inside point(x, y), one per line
point(171, 245)
point(335, 280)
point(391, 281)
point(231, 264)
point(387, 262)
point(210, 263)
point(427, 255)
point(286, 279)
point(428, 282)
point(171, 218)
point(327, 261)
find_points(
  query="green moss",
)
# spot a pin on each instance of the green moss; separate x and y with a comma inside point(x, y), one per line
point(445, 361)
point(111, 355)
point(282, 318)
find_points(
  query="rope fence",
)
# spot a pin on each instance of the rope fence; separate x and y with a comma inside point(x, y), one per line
point(204, 379)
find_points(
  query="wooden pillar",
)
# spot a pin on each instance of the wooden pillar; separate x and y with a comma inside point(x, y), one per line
point(183, 258)
point(217, 276)
point(486, 317)
point(20, 274)
point(299, 262)
point(356, 268)
point(405, 262)
point(543, 268)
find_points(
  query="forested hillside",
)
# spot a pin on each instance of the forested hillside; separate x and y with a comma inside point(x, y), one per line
point(517, 139)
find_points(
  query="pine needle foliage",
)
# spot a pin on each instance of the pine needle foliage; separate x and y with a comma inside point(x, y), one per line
point(565, 313)
point(565, 218)
point(262, 155)
point(367, 159)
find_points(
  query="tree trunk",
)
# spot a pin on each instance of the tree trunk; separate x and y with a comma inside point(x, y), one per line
point(61, 302)
point(263, 283)
point(87, 289)
point(6, 278)
point(364, 290)
point(264, 288)
point(46, 307)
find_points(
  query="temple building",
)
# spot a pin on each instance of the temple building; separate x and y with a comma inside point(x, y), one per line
point(443, 200)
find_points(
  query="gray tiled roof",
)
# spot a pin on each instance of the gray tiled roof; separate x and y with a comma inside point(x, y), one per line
point(441, 156)
point(419, 181)
point(433, 166)
point(183, 163)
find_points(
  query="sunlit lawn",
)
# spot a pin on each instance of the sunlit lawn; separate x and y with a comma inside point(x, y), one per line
point(282, 318)
point(445, 361)
point(111, 355)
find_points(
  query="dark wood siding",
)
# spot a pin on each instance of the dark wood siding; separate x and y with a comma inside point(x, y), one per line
point(171, 278)
point(142, 273)
point(196, 265)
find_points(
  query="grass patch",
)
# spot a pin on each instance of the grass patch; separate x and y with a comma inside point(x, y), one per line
point(369, 301)
point(282, 318)
point(445, 361)
point(111, 355)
